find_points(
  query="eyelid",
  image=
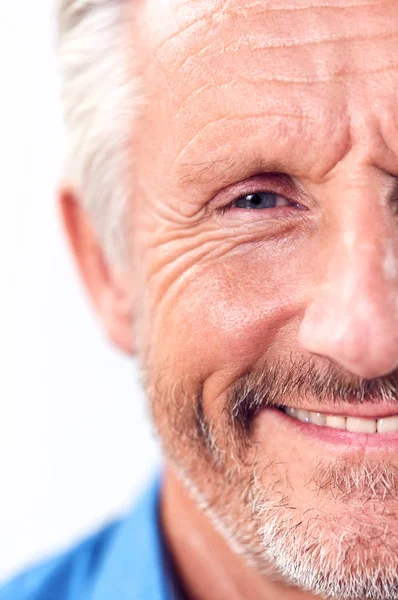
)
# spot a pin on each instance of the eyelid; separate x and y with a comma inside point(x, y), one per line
point(271, 183)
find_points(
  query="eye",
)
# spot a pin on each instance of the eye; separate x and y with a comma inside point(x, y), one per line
point(261, 200)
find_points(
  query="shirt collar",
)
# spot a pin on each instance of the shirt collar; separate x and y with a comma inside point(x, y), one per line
point(135, 566)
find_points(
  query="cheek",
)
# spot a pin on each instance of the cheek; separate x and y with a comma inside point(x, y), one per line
point(227, 314)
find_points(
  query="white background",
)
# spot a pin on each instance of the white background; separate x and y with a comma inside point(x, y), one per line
point(75, 444)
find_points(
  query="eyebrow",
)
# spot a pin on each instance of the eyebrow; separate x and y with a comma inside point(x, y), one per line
point(205, 171)
point(222, 171)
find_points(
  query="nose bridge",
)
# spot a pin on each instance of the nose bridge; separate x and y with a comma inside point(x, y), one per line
point(353, 316)
point(364, 263)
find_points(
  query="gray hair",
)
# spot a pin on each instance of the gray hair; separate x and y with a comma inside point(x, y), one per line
point(99, 97)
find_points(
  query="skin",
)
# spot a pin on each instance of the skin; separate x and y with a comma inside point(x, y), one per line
point(238, 94)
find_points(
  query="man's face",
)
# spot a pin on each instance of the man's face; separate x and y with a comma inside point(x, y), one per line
point(265, 250)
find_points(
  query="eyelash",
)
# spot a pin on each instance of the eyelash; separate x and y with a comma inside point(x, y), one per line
point(222, 210)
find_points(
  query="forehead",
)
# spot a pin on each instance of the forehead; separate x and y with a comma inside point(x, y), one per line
point(267, 71)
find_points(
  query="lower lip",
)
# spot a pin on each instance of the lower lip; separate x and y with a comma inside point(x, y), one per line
point(329, 435)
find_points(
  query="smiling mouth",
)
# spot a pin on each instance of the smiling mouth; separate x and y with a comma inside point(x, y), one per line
point(353, 424)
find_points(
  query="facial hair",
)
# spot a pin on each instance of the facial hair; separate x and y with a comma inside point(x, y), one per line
point(244, 497)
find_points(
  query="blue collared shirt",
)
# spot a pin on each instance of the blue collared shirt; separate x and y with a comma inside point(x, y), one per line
point(124, 561)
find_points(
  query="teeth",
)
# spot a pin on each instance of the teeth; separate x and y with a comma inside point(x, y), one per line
point(335, 422)
point(303, 415)
point(361, 425)
point(317, 418)
point(353, 424)
point(388, 424)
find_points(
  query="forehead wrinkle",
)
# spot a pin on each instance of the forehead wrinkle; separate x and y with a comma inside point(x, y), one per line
point(254, 46)
point(380, 28)
point(339, 76)
point(201, 20)
point(277, 6)
point(228, 85)
point(232, 118)
point(229, 9)
point(332, 5)
point(325, 97)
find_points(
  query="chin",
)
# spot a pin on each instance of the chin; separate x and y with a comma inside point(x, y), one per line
point(334, 561)
point(343, 551)
point(340, 542)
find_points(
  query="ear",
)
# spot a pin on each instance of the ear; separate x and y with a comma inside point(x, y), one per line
point(110, 287)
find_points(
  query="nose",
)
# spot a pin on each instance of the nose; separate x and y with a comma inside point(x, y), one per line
point(352, 317)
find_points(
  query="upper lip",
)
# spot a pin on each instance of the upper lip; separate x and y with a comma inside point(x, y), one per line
point(366, 410)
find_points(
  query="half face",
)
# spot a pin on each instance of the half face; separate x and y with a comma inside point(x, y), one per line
point(264, 243)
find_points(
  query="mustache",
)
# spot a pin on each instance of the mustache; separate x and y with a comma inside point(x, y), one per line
point(300, 380)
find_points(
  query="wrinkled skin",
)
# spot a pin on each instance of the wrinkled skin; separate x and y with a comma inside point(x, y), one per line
point(298, 99)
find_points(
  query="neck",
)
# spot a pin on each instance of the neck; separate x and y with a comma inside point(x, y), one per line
point(207, 567)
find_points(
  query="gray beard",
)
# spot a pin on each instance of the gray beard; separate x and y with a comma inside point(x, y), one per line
point(312, 551)
point(350, 556)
